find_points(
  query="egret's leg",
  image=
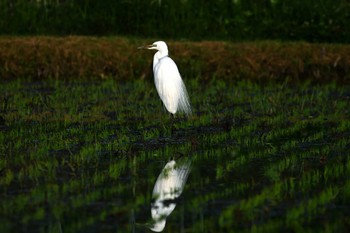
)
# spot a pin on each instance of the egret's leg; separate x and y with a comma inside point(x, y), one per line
point(172, 123)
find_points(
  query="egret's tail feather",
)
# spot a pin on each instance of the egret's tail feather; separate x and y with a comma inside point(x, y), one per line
point(184, 102)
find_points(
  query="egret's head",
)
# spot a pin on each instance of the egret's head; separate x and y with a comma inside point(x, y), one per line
point(158, 226)
point(158, 45)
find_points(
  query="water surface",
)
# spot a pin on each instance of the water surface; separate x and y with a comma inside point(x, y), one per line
point(86, 157)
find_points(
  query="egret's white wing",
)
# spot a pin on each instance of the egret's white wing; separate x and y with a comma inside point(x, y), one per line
point(171, 180)
point(170, 86)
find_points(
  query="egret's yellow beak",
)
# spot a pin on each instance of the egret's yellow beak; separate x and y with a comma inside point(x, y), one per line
point(151, 46)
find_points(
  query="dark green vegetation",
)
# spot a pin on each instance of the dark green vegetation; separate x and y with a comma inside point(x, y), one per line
point(83, 156)
point(312, 20)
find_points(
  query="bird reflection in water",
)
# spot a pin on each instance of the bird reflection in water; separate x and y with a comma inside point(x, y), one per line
point(167, 190)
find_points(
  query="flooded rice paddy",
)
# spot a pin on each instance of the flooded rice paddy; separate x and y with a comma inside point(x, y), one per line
point(106, 157)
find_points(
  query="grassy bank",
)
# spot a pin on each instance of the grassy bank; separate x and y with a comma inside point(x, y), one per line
point(99, 57)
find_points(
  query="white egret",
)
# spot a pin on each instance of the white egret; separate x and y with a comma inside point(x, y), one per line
point(167, 78)
point(167, 189)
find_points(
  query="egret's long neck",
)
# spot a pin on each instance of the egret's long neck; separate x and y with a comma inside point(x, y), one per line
point(159, 55)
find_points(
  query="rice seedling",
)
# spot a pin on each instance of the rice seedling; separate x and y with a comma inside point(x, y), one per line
point(84, 156)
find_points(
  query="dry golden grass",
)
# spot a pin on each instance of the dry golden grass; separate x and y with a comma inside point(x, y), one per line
point(77, 57)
